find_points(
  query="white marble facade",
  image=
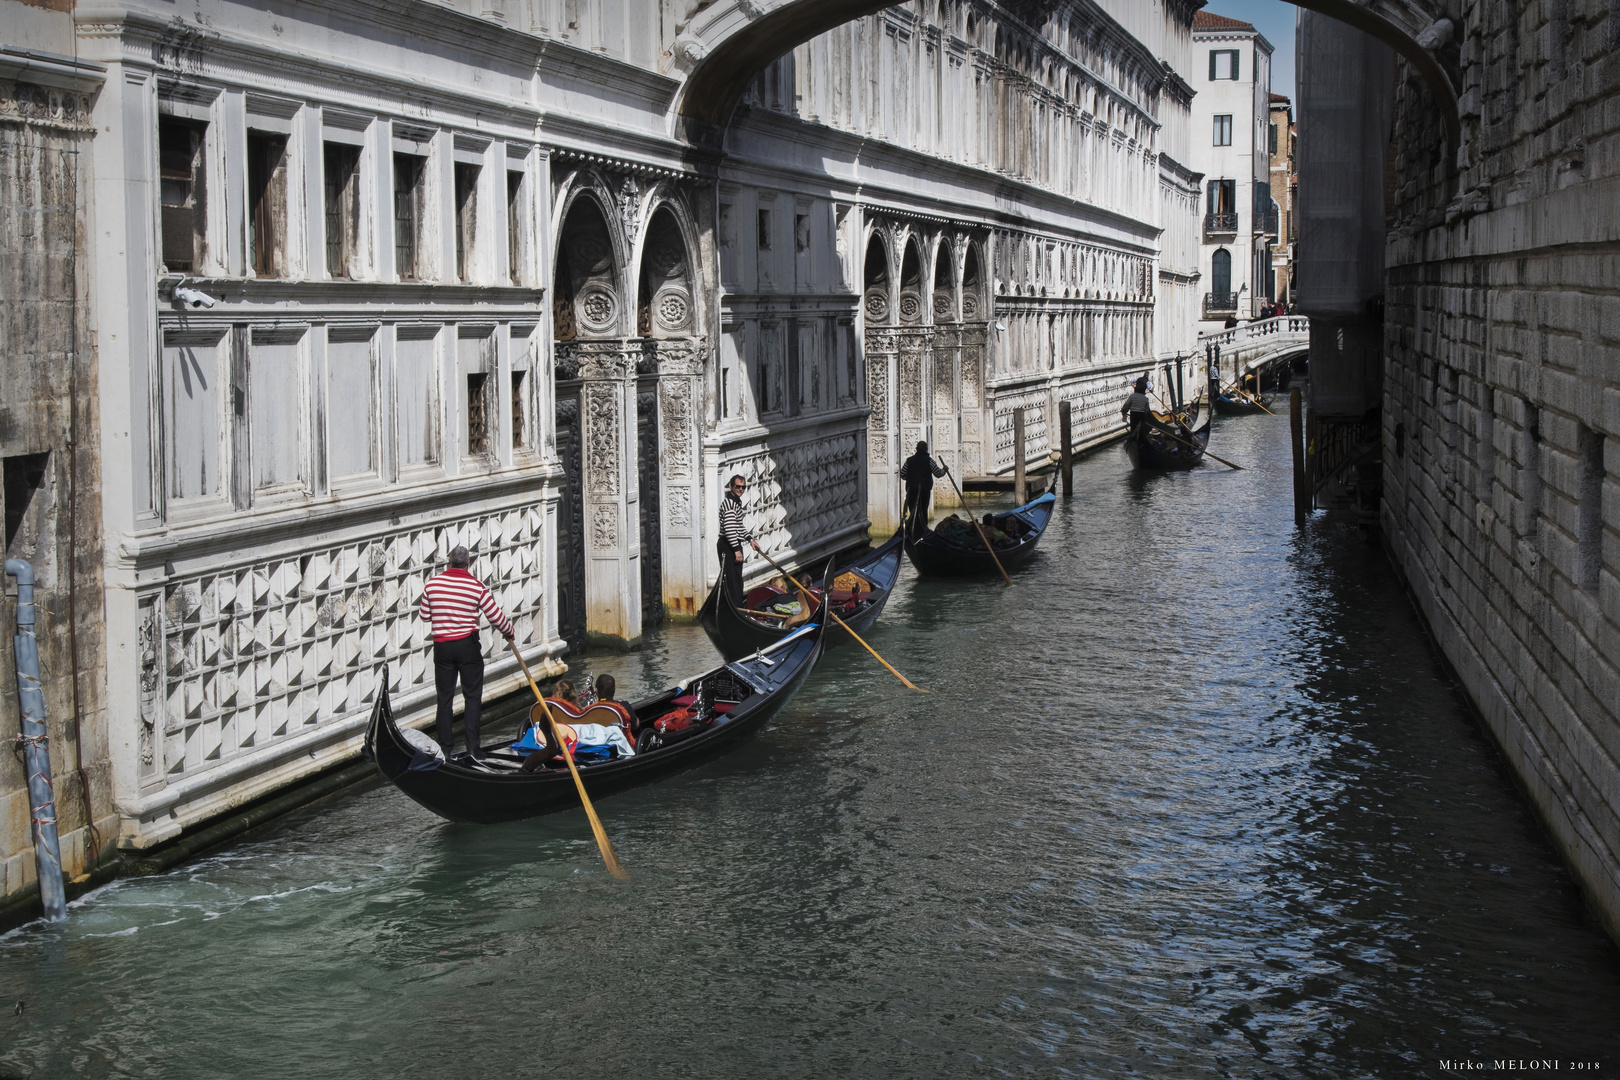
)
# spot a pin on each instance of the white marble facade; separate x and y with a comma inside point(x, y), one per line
point(472, 285)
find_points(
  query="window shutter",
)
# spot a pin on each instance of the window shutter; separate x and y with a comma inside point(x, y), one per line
point(1212, 55)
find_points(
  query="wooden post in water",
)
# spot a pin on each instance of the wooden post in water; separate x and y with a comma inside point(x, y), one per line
point(1296, 429)
point(1066, 451)
point(1019, 489)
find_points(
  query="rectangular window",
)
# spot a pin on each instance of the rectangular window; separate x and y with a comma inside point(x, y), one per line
point(267, 203)
point(801, 232)
point(1223, 130)
point(520, 432)
point(273, 408)
point(24, 475)
point(351, 409)
point(762, 230)
point(477, 413)
point(1273, 140)
point(342, 175)
point(416, 409)
point(180, 188)
point(514, 226)
point(191, 415)
point(1223, 64)
point(466, 217)
point(409, 171)
point(1223, 196)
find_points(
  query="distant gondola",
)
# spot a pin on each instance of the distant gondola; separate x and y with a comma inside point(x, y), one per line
point(934, 556)
point(737, 698)
point(735, 633)
point(1152, 447)
point(1239, 406)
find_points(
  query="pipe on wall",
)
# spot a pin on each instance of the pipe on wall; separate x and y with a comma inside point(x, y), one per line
point(36, 753)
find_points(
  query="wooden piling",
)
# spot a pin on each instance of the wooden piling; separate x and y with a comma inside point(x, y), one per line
point(1020, 491)
point(1066, 449)
point(1296, 429)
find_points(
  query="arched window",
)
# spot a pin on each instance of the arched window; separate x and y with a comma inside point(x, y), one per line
point(1220, 273)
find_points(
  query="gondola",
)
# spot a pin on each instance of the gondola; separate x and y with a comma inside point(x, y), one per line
point(1151, 447)
point(934, 556)
point(735, 633)
point(1240, 406)
point(732, 702)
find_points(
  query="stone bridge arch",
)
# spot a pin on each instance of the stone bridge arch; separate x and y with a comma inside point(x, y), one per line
point(724, 44)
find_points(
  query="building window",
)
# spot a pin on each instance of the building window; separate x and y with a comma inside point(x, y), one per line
point(762, 229)
point(408, 173)
point(514, 226)
point(1273, 140)
point(1223, 64)
point(1220, 273)
point(267, 202)
point(466, 217)
point(477, 413)
point(180, 187)
point(24, 475)
point(342, 171)
point(1223, 130)
point(519, 413)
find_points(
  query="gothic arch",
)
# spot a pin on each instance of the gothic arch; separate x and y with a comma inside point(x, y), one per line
point(666, 294)
point(910, 304)
point(974, 301)
point(875, 278)
point(587, 268)
point(945, 287)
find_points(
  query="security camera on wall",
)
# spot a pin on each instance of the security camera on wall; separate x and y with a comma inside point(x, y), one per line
point(192, 298)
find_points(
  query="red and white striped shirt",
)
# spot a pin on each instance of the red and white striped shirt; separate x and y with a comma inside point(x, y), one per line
point(452, 600)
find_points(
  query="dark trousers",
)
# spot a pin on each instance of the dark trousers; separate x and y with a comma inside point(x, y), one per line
point(731, 572)
point(463, 658)
point(916, 515)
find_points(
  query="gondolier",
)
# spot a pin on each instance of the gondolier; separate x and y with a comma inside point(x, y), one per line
point(452, 602)
point(733, 533)
point(1135, 409)
point(919, 472)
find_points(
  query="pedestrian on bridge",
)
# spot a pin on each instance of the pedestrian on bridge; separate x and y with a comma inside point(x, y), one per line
point(452, 602)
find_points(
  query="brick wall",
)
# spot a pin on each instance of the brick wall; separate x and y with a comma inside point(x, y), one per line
point(1502, 400)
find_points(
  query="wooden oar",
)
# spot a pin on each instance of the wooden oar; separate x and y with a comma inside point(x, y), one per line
point(826, 605)
point(986, 540)
point(554, 738)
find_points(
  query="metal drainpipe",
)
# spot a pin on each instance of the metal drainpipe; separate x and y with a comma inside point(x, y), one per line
point(36, 755)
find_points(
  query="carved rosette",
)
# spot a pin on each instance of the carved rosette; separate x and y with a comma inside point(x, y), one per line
point(597, 308)
point(672, 309)
point(910, 307)
point(877, 306)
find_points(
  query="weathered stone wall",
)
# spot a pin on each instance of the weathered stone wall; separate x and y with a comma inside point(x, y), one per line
point(1502, 399)
point(51, 493)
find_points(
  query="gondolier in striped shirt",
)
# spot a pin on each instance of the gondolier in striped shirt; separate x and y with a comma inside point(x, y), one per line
point(919, 472)
point(452, 602)
point(733, 533)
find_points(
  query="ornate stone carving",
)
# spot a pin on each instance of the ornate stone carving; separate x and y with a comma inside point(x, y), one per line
point(801, 493)
point(676, 416)
point(597, 308)
point(877, 450)
point(678, 501)
point(942, 306)
point(601, 441)
point(672, 310)
point(877, 306)
point(910, 307)
point(627, 201)
point(877, 392)
point(605, 527)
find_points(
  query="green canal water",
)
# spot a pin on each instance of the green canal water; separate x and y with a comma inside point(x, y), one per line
point(1194, 799)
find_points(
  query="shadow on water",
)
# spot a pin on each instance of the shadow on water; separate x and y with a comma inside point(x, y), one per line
point(1193, 798)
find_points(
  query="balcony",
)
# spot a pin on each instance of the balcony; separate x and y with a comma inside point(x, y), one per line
point(1265, 221)
point(1220, 304)
point(1221, 223)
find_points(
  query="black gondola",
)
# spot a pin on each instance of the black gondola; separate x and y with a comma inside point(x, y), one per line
point(1152, 447)
point(737, 698)
point(1240, 406)
point(735, 633)
point(934, 556)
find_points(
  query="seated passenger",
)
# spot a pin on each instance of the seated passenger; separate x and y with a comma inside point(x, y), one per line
point(585, 740)
point(953, 530)
point(997, 537)
point(566, 695)
point(606, 687)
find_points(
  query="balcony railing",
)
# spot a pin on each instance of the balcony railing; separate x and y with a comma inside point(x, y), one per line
point(1220, 303)
point(1266, 220)
point(1221, 223)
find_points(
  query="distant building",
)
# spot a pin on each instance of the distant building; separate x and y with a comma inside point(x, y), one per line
point(1231, 114)
point(1284, 192)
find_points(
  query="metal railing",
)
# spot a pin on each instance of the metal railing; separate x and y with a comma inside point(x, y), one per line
point(1266, 220)
point(1221, 223)
point(1220, 303)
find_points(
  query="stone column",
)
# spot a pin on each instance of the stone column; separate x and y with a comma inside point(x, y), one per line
point(679, 369)
point(883, 455)
point(607, 373)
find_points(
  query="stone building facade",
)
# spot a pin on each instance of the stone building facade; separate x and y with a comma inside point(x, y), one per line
point(375, 278)
point(1284, 192)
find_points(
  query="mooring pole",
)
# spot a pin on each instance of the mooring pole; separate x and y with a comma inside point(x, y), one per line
point(1066, 449)
point(1019, 490)
point(36, 755)
point(1296, 430)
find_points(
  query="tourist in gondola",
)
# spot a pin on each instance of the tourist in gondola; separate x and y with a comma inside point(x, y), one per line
point(452, 602)
point(1135, 409)
point(606, 687)
point(733, 533)
point(918, 472)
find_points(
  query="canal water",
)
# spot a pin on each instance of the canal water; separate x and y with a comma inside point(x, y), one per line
point(1194, 799)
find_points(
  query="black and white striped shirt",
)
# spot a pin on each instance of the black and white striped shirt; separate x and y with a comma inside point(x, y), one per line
point(914, 471)
point(733, 529)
